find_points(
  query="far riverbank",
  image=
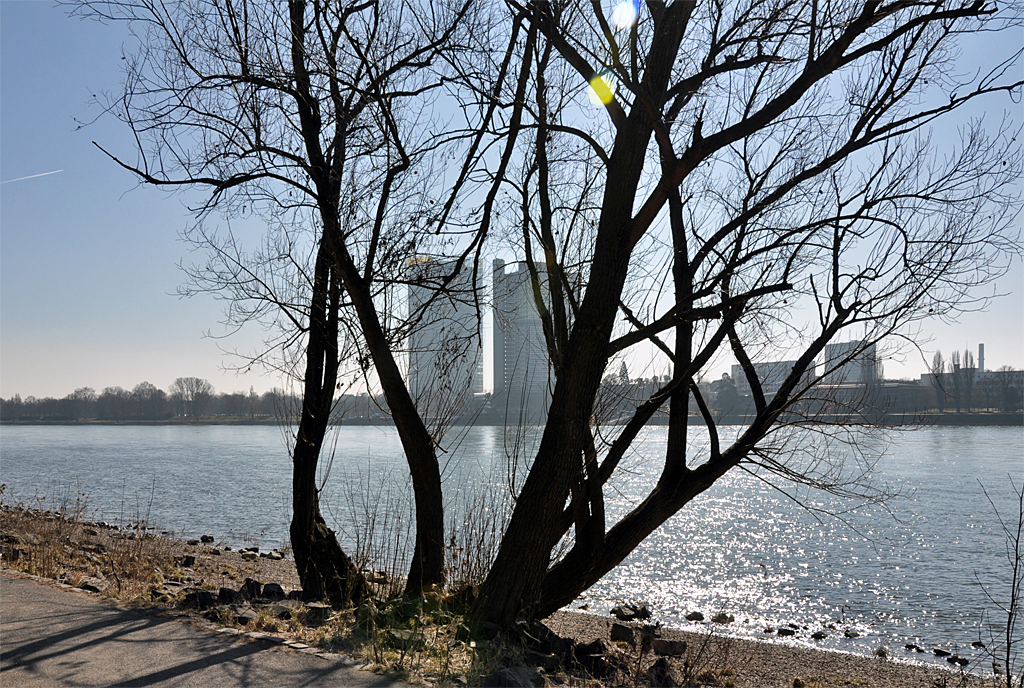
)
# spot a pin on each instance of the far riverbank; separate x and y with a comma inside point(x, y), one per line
point(926, 419)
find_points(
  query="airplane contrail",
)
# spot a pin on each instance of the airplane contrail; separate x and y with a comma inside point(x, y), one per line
point(31, 176)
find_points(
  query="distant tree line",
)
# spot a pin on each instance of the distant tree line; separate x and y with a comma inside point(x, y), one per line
point(187, 397)
point(959, 384)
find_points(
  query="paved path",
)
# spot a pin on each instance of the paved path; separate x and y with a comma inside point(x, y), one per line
point(53, 637)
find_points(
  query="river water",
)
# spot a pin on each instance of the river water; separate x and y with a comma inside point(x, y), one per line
point(909, 570)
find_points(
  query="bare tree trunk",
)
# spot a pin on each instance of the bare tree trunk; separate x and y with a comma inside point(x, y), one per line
point(427, 566)
point(428, 558)
point(325, 570)
point(514, 583)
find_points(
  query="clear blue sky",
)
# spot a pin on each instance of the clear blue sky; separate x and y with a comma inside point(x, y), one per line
point(88, 261)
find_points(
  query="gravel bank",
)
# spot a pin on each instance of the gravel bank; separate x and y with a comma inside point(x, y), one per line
point(76, 553)
point(748, 663)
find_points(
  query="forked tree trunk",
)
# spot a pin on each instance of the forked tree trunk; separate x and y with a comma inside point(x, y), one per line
point(325, 570)
point(427, 566)
point(513, 586)
point(428, 558)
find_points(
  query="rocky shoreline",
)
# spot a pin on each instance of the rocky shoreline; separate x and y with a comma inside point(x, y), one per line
point(256, 593)
point(722, 660)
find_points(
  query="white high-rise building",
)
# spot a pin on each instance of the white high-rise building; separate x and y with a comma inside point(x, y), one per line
point(849, 363)
point(445, 354)
point(522, 370)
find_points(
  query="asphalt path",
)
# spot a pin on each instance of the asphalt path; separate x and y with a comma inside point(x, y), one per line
point(54, 637)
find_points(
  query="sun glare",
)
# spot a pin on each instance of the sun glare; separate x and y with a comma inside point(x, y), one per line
point(601, 90)
point(625, 13)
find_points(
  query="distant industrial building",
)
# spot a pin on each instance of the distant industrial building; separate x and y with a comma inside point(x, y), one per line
point(966, 388)
point(445, 353)
point(849, 363)
point(771, 375)
point(522, 370)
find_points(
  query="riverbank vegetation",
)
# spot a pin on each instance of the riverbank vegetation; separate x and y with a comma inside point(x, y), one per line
point(187, 399)
point(755, 178)
point(425, 640)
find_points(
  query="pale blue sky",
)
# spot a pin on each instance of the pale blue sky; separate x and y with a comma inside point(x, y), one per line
point(88, 262)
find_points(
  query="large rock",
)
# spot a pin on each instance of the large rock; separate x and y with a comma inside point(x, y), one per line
point(251, 589)
point(660, 676)
point(488, 630)
point(723, 618)
point(622, 634)
point(244, 614)
point(642, 612)
point(165, 593)
point(694, 616)
point(406, 640)
point(631, 612)
point(302, 596)
point(668, 648)
point(515, 677)
point(206, 538)
point(273, 591)
point(316, 613)
point(548, 661)
point(93, 584)
point(603, 666)
point(200, 599)
point(598, 647)
point(226, 596)
point(282, 610)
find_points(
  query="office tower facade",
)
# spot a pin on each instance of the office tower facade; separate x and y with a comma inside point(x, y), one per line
point(445, 354)
point(845, 365)
point(522, 370)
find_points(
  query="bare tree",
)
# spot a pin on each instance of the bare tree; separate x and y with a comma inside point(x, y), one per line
point(1005, 648)
point(316, 118)
point(968, 372)
point(83, 401)
point(759, 179)
point(113, 403)
point(252, 400)
point(754, 160)
point(149, 401)
point(195, 395)
point(1011, 388)
point(937, 370)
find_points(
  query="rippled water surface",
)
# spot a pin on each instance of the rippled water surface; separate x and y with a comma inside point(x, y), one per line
point(907, 571)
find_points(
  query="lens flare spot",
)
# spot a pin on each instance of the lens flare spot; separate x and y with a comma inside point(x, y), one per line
point(601, 90)
point(625, 13)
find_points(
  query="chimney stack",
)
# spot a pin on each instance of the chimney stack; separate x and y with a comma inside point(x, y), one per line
point(981, 358)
